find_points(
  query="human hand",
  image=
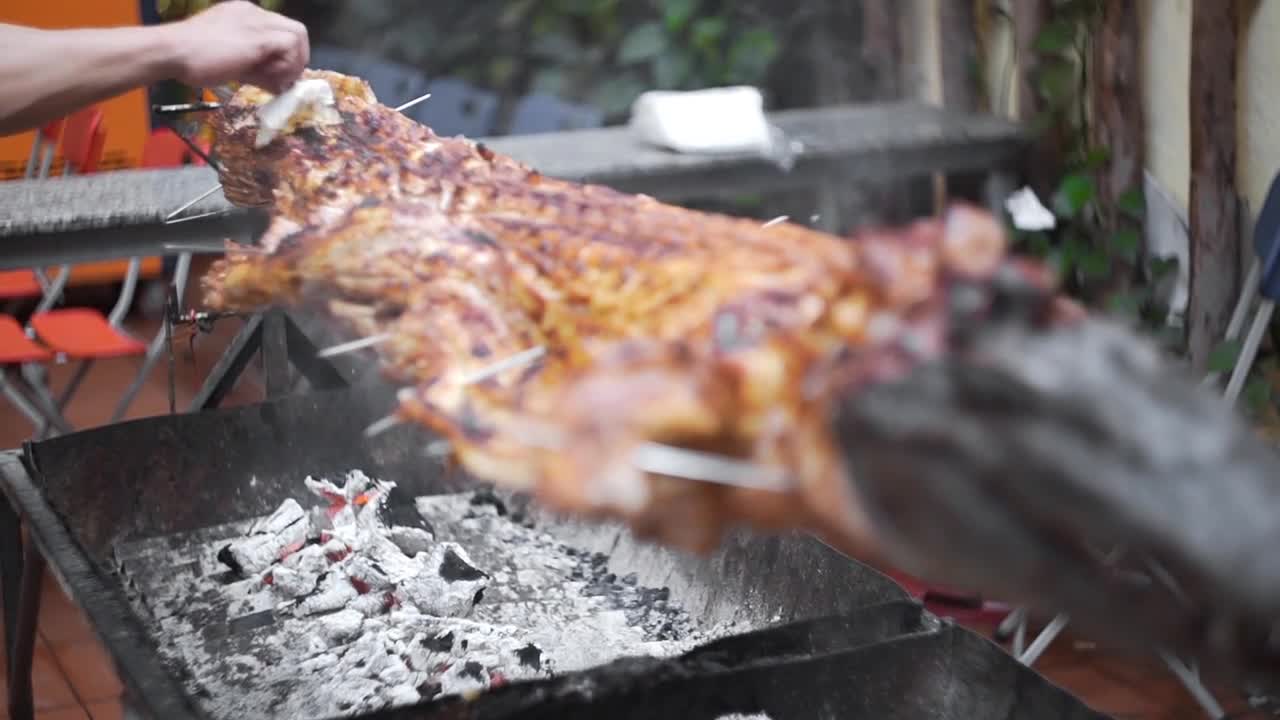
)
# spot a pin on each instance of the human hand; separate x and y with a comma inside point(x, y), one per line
point(240, 42)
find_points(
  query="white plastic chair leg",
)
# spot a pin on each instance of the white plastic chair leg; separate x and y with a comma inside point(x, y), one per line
point(1249, 350)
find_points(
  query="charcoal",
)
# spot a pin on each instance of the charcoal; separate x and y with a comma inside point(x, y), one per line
point(366, 615)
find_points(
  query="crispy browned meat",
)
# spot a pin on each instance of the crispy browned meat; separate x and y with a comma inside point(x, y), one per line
point(659, 324)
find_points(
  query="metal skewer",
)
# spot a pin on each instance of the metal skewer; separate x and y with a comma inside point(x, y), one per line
point(201, 216)
point(188, 204)
point(199, 152)
point(179, 108)
point(411, 103)
point(352, 346)
point(380, 426)
point(776, 221)
point(492, 369)
point(212, 249)
point(672, 461)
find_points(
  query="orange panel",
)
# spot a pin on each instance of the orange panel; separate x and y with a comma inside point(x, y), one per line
point(126, 117)
point(109, 271)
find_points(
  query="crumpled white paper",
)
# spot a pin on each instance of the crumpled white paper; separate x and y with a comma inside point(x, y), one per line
point(314, 93)
point(1028, 212)
point(715, 120)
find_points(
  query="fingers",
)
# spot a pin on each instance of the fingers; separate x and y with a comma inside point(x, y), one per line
point(283, 57)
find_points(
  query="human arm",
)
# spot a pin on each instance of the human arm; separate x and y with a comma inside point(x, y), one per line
point(46, 74)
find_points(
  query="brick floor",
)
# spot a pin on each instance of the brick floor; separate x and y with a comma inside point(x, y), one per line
point(74, 679)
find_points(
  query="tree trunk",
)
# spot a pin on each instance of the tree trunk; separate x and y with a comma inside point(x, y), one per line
point(959, 54)
point(1118, 123)
point(1045, 157)
point(1215, 230)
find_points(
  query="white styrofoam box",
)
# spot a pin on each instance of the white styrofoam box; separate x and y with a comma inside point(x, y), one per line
point(715, 120)
point(1167, 236)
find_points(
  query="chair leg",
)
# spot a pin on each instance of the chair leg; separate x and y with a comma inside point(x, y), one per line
point(1191, 682)
point(154, 352)
point(35, 396)
point(1250, 290)
point(21, 702)
point(20, 401)
point(65, 398)
point(1249, 350)
point(1044, 639)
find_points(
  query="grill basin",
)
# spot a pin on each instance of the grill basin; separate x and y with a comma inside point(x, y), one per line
point(816, 635)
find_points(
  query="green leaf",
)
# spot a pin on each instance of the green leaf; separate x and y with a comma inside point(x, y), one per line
point(558, 46)
point(1075, 192)
point(1095, 158)
point(671, 69)
point(550, 81)
point(1132, 203)
point(751, 56)
point(1257, 393)
point(1056, 83)
point(1125, 304)
point(1069, 255)
point(707, 32)
point(677, 13)
point(1125, 244)
point(1094, 263)
point(1162, 267)
point(1223, 357)
point(1055, 37)
point(643, 43)
point(615, 95)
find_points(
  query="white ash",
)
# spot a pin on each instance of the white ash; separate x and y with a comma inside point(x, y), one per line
point(270, 539)
point(367, 616)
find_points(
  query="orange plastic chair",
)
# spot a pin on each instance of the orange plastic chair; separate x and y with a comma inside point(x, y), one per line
point(24, 284)
point(85, 333)
point(15, 347)
point(83, 140)
point(19, 284)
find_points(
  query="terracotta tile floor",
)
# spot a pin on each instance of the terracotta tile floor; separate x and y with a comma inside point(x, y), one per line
point(74, 679)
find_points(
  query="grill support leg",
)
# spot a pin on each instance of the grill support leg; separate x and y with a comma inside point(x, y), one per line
point(10, 571)
point(23, 643)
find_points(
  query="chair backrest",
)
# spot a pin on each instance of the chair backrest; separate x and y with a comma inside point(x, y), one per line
point(164, 149)
point(543, 113)
point(83, 140)
point(50, 132)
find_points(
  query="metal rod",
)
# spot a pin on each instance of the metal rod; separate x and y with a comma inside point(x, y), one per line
point(520, 358)
point(411, 103)
point(201, 216)
point(381, 426)
point(352, 346)
point(776, 221)
point(197, 150)
point(1193, 686)
point(212, 249)
point(197, 199)
point(178, 108)
point(678, 462)
point(1044, 639)
point(438, 448)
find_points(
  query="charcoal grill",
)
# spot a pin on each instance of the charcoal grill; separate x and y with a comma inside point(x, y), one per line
point(816, 635)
